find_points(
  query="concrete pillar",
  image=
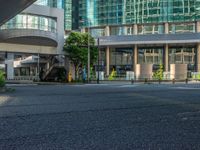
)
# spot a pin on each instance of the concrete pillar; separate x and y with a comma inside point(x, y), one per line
point(83, 30)
point(10, 66)
point(198, 57)
point(107, 31)
point(166, 28)
point(48, 66)
point(198, 26)
point(144, 71)
point(107, 61)
point(166, 58)
point(125, 30)
point(178, 71)
point(135, 57)
point(31, 70)
point(135, 29)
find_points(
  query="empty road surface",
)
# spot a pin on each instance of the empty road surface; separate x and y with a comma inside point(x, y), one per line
point(101, 117)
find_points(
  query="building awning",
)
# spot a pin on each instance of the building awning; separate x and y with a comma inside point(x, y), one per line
point(150, 39)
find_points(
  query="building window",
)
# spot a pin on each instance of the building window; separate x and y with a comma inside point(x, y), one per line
point(150, 29)
point(121, 60)
point(150, 55)
point(121, 30)
point(182, 28)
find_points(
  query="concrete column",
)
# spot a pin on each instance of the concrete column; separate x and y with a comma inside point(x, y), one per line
point(125, 30)
point(31, 70)
point(10, 66)
point(198, 57)
point(107, 31)
point(83, 30)
point(107, 61)
point(166, 28)
point(48, 66)
point(135, 29)
point(135, 57)
point(198, 26)
point(166, 58)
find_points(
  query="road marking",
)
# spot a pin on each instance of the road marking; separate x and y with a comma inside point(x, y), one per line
point(11, 85)
point(128, 86)
point(187, 88)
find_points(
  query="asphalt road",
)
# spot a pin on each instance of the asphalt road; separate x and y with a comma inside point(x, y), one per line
point(104, 117)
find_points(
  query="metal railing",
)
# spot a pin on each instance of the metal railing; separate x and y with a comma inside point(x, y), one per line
point(150, 77)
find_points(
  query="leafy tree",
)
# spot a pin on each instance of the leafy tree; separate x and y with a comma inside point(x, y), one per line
point(159, 73)
point(76, 49)
point(2, 79)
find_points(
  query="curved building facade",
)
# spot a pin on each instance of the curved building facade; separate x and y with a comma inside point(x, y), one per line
point(138, 32)
point(37, 31)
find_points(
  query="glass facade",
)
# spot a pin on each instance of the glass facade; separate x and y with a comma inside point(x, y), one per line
point(180, 55)
point(2, 61)
point(183, 55)
point(25, 21)
point(121, 30)
point(68, 14)
point(117, 12)
point(97, 32)
point(51, 3)
point(150, 55)
point(182, 28)
point(151, 29)
point(121, 60)
point(29, 21)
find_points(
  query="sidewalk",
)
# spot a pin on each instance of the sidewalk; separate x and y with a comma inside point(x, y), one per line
point(116, 82)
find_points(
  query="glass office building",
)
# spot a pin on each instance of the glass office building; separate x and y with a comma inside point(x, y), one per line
point(117, 12)
point(51, 3)
point(68, 14)
point(150, 31)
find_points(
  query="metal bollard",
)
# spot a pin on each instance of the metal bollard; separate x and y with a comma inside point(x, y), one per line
point(173, 81)
point(132, 81)
point(145, 80)
point(159, 81)
point(186, 80)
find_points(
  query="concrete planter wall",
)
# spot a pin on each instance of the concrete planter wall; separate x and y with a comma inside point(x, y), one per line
point(178, 71)
point(144, 71)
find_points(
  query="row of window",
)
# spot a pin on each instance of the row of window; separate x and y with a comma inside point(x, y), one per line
point(121, 59)
point(51, 3)
point(25, 21)
point(112, 12)
point(146, 29)
point(124, 56)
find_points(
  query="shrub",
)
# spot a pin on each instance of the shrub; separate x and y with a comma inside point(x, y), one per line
point(159, 73)
point(2, 78)
point(112, 75)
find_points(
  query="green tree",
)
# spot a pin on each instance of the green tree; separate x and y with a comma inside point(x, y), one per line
point(2, 79)
point(76, 49)
point(159, 73)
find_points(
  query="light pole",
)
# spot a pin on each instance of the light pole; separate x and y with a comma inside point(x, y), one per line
point(88, 51)
point(88, 63)
point(98, 61)
point(38, 66)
